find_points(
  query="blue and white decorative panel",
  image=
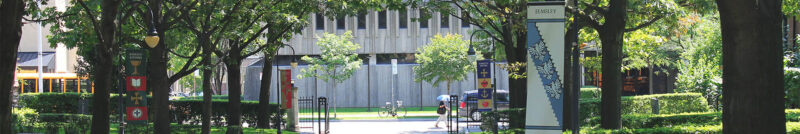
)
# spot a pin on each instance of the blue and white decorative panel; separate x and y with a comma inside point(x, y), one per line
point(545, 46)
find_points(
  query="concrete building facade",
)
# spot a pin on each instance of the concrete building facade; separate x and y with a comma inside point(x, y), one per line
point(381, 35)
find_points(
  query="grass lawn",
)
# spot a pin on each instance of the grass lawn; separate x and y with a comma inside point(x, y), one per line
point(374, 111)
point(378, 118)
point(194, 129)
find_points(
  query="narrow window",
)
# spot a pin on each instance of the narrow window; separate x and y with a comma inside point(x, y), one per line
point(362, 21)
point(320, 22)
point(340, 22)
point(403, 16)
point(423, 23)
point(445, 20)
point(464, 19)
point(382, 19)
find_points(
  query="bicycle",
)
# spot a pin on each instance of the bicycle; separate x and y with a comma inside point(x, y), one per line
point(387, 110)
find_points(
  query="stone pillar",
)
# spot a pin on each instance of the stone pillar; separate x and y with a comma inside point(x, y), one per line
point(292, 118)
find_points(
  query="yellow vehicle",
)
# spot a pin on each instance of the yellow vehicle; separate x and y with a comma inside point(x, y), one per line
point(53, 82)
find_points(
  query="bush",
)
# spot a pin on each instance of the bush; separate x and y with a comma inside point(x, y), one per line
point(634, 121)
point(27, 120)
point(71, 123)
point(663, 120)
point(65, 102)
point(23, 119)
point(192, 110)
point(590, 93)
point(792, 86)
point(791, 127)
point(511, 115)
point(181, 110)
point(215, 97)
point(668, 104)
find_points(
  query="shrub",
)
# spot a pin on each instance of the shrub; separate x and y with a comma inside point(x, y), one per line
point(65, 102)
point(511, 115)
point(792, 86)
point(23, 119)
point(663, 120)
point(185, 110)
point(215, 97)
point(590, 93)
point(634, 121)
point(71, 123)
point(668, 104)
point(191, 111)
point(791, 127)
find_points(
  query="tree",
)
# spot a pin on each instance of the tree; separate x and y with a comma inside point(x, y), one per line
point(76, 27)
point(10, 33)
point(752, 67)
point(645, 50)
point(699, 69)
point(505, 20)
point(443, 60)
point(612, 19)
point(337, 62)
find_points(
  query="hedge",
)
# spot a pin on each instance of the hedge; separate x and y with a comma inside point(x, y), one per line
point(513, 116)
point(186, 110)
point(27, 120)
point(791, 127)
point(65, 102)
point(215, 97)
point(665, 120)
point(192, 110)
point(590, 93)
point(668, 104)
point(791, 80)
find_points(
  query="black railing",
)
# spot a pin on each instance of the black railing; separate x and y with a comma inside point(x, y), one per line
point(307, 107)
point(322, 116)
point(452, 115)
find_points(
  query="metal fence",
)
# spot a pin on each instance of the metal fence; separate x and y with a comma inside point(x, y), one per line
point(323, 122)
point(307, 107)
point(313, 114)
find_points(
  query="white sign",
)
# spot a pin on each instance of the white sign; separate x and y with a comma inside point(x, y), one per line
point(545, 45)
point(394, 66)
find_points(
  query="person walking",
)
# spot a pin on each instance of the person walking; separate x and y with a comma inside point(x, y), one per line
point(442, 116)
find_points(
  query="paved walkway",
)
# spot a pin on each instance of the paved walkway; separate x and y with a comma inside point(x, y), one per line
point(394, 126)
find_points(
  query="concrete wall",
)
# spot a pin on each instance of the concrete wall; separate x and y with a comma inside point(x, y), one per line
point(377, 86)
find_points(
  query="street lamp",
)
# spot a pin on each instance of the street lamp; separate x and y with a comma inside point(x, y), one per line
point(152, 35)
point(494, 77)
point(152, 40)
point(293, 64)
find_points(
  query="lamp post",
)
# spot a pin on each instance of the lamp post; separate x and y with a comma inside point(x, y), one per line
point(151, 39)
point(494, 77)
point(293, 64)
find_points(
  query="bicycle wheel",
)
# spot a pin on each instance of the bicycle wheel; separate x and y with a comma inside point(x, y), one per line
point(383, 112)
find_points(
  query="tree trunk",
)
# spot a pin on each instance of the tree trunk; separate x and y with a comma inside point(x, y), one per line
point(263, 95)
point(207, 91)
point(103, 70)
point(650, 79)
point(10, 33)
point(752, 69)
point(611, 38)
point(234, 91)
point(102, 83)
point(448, 88)
point(160, 86)
point(219, 74)
point(158, 79)
point(571, 37)
point(517, 52)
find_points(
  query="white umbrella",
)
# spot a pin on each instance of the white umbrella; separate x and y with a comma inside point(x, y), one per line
point(443, 98)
